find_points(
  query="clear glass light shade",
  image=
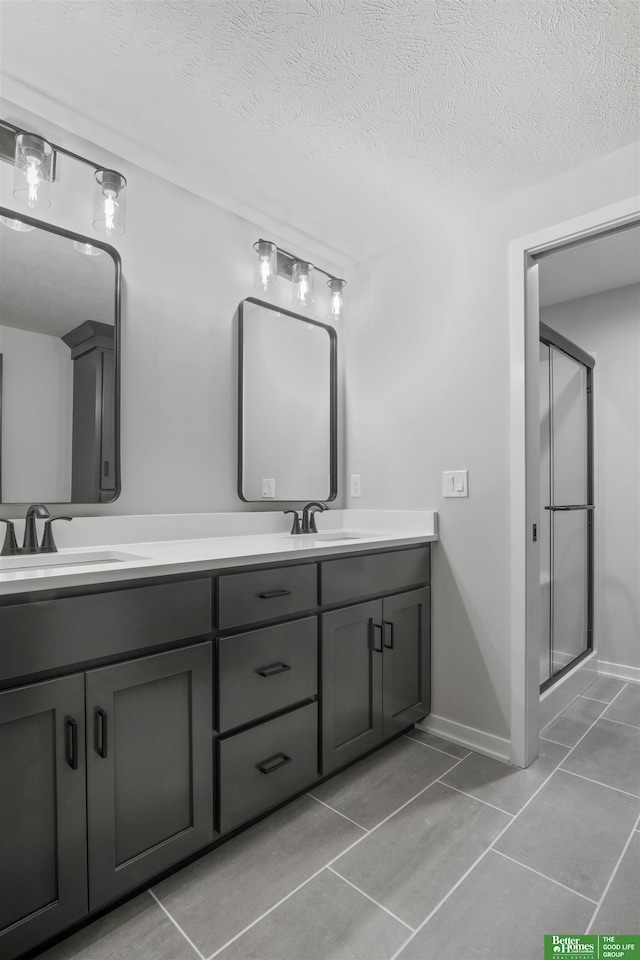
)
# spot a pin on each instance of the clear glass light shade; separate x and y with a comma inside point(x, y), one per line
point(87, 249)
point(109, 203)
point(302, 277)
point(33, 171)
point(18, 225)
point(267, 267)
point(336, 306)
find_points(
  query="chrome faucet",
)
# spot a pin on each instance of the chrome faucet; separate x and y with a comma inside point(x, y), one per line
point(308, 516)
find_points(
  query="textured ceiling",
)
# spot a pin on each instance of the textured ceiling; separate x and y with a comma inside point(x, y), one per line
point(349, 120)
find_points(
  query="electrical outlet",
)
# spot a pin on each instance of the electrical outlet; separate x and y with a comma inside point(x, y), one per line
point(356, 485)
point(268, 489)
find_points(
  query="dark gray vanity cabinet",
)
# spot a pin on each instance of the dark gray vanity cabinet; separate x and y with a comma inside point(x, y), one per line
point(149, 767)
point(43, 862)
point(375, 655)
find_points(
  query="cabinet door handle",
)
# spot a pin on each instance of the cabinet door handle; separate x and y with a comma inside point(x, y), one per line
point(270, 594)
point(273, 763)
point(72, 743)
point(376, 634)
point(273, 669)
point(101, 733)
point(105, 468)
point(387, 629)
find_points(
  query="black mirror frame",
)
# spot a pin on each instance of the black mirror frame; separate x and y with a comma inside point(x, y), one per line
point(115, 256)
point(333, 395)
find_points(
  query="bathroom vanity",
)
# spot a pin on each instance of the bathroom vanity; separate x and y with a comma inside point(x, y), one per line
point(145, 717)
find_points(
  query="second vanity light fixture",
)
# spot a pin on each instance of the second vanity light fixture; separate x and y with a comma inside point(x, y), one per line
point(273, 262)
point(34, 172)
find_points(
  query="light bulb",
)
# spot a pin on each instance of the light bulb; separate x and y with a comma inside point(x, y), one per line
point(302, 277)
point(267, 272)
point(109, 203)
point(336, 308)
point(33, 171)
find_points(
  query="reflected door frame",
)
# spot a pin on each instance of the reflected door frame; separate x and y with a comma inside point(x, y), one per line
point(524, 478)
point(556, 341)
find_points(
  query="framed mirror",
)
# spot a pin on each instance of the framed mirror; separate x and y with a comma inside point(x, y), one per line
point(60, 347)
point(287, 416)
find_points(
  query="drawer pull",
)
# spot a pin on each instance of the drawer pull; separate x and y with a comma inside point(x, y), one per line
point(387, 630)
point(273, 763)
point(72, 743)
point(270, 594)
point(101, 733)
point(273, 669)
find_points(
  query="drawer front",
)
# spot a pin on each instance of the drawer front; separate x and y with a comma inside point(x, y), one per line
point(263, 766)
point(265, 671)
point(356, 577)
point(266, 594)
point(49, 634)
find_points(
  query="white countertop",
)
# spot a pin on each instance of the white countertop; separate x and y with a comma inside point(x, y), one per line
point(100, 561)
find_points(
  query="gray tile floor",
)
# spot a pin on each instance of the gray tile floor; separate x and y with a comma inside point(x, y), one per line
point(423, 851)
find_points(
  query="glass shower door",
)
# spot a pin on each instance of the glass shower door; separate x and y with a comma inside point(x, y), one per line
point(566, 571)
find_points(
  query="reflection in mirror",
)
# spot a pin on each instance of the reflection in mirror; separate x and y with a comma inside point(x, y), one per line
point(59, 341)
point(287, 446)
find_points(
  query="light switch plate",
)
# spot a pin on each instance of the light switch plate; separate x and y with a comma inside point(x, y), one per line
point(455, 483)
point(268, 489)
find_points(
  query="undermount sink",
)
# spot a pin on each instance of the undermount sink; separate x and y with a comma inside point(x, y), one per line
point(40, 561)
point(328, 537)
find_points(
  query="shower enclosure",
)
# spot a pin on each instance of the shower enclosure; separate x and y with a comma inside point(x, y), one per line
point(566, 508)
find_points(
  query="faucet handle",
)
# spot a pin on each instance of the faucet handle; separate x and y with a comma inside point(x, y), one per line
point(296, 520)
point(10, 545)
point(48, 544)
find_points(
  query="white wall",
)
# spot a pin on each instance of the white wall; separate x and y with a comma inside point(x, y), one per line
point(37, 403)
point(608, 326)
point(186, 264)
point(428, 356)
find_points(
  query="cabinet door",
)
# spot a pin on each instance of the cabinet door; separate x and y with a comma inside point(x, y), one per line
point(351, 683)
point(407, 660)
point(43, 853)
point(149, 767)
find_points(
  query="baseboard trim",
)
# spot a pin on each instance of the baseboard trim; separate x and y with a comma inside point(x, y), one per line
point(486, 743)
point(619, 670)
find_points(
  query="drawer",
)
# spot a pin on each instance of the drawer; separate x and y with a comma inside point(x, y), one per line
point(267, 670)
point(49, 634)
point(356, 577)
point(265, 765)
point(266, 594)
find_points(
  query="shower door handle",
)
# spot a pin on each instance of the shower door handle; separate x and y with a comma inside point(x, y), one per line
point(574, 506)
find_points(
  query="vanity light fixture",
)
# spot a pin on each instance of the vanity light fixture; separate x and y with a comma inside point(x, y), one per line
point(35, 162)
point(274, 262)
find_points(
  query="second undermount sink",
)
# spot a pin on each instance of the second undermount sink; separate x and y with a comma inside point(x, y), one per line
point(41, 561)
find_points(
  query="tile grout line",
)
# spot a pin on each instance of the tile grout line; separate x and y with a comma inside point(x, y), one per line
point(492, 844)
point(600, 783)
point(611, 878)
point(585, 697)
point(634, 726)
point(382, 907)
point(176, 924)
point(333, 810)
point(557, 742)
point(437, 749)
point(324, 867)
point(471, 797)
point(545, 877)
